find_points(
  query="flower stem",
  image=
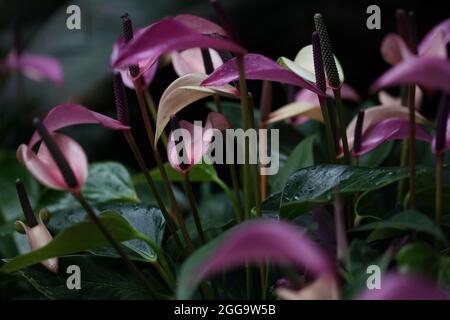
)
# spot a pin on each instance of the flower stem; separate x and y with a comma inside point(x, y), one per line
point(412, 146)
point(153, 113)
point(232, 168)
point(92, 215)
point(194, 207)
point(255, 168)
point(167, 186)
point(265, 107)
point(341, 124)
point(245, 112)
point(328, 131)
point(146, 172)
point(439, 186)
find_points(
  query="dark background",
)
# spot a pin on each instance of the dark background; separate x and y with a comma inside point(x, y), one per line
point(270, 27)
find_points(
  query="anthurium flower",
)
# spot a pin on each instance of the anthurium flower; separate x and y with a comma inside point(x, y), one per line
point(191, 61)
point(35, 67)
point(173, 33)
point(257, 242)
point(127, 79)
point(435, 42)
point(441, 139)
point(394, 49)
point(386, 99)
point(429, 72)
point(303, 65)
point(257, 67)
point(308, 100)
point(198, 140)
point(387, 130)
point(38, 236)
point(377, 114)
point(404, 287)
point(184, 91)
point(35, 229)
point(65, 115)
point(42, 166)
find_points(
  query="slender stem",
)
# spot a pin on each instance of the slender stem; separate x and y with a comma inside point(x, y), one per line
point(153, 113)
point(167, 186)
point(439, 186)
point(412, 146)
point(403, 162)
point(341, 124)
point(170, 281)
point(194, 207)
point(328, 131)
point(92, 215)
point(232, 168)
point(146, 172)
point(218, 103)
point(255, 168)
point(245, 112)
point(265, 107)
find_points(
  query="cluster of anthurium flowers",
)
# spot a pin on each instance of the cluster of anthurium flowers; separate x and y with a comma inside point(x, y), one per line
point(210, 62)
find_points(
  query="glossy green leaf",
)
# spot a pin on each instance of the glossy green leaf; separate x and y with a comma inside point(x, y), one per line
point(302, 156)
point(418, 258)
point(315, 184)
point(145, 219)
point(376, 157)
point(80, 237)
point(406, 220)
point(101, 279)
point(107, 182)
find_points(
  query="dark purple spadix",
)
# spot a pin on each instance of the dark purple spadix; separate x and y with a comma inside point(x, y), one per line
point(327, 52)
point(127, 27)
point(57, 155)
point(358, 132)
point(120, 99)
point(25, 204)
point(127, 31)
point(441, 123)
point(318, 63)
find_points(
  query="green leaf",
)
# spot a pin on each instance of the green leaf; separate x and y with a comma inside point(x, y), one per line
point(418, 258)
point(144, 219)
point(101, 279)
point(315, 184)
point(376, 157)
point(83, 236)
point(406, 220)
point(107, 182)
point(232, 111)
point(302, 156)
point(359, 258)
point(185, 287)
